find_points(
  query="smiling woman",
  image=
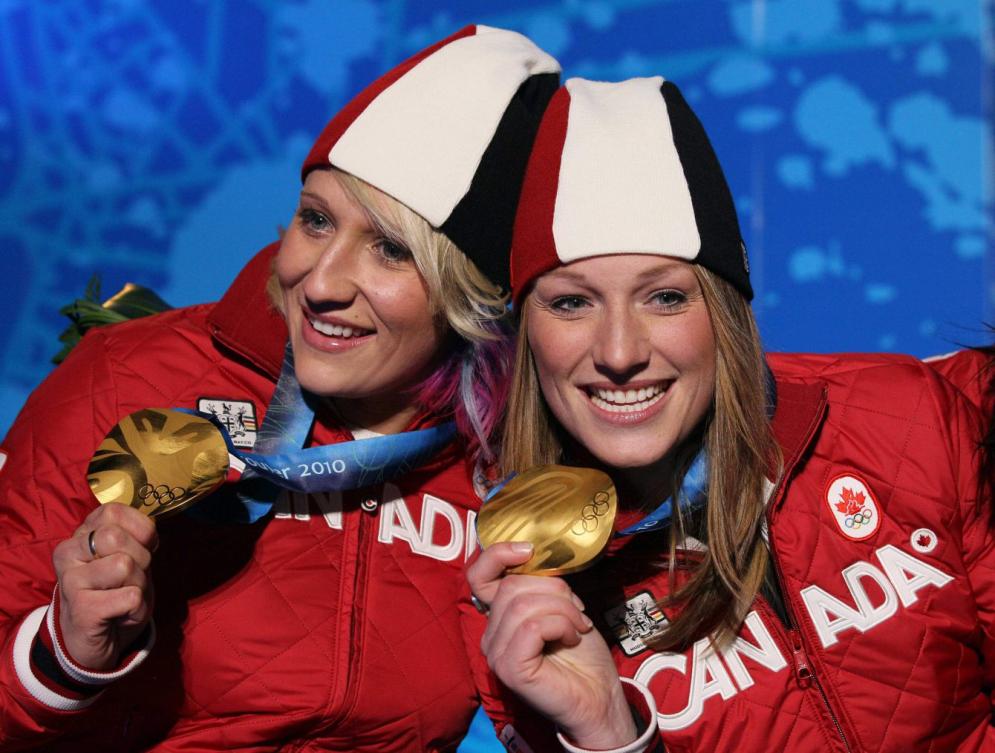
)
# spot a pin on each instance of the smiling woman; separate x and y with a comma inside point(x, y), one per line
point(841, 491)
point(623, 341)
point(385, 314)
point(322, 619)
point(360, 320)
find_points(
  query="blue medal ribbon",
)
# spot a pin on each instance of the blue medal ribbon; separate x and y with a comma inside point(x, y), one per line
point(347, 465)
point(691, 496)
point(280, 461)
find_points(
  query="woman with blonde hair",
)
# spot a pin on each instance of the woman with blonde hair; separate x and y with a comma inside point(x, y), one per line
point(801, 559)
point(323, 617)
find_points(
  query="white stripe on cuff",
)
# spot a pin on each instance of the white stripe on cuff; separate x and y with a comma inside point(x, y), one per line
point(22, 666)
point(88, 676)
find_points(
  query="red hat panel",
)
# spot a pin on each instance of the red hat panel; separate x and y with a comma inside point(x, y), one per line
point(533, 248)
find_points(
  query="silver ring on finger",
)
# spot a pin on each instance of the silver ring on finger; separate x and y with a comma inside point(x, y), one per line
point(91, 544)
point(480, 606)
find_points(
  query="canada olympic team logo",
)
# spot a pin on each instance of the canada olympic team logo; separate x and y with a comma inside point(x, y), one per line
point(854, 507)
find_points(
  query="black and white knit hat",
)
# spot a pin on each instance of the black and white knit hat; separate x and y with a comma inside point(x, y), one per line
point(448, 133)
point(624, 168)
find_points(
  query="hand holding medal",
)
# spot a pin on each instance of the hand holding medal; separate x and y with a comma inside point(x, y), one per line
point(104, 600)
point(155, 462)
point(564, 517)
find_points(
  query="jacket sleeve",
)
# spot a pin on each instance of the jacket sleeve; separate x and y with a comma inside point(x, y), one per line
point(43, 498)
point(972, 372)
point(978, 532)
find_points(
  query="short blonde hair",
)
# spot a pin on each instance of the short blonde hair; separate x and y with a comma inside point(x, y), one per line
point(457, 289)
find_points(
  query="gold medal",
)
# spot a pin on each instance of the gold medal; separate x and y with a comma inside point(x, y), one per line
point(566, 514)
point(158, 461)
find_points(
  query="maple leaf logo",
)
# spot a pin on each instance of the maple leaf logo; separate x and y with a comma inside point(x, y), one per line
point(850, 503)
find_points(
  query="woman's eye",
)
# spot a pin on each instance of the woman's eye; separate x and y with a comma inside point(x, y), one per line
point(393, 252)
point(568, 303)
point(669, 298)
point(313, 221)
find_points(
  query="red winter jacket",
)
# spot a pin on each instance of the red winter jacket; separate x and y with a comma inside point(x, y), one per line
point(330, 626)
point(972, 372)
point(887, 569)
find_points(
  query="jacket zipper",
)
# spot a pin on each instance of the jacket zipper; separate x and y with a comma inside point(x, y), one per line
point(367, 521)
point(806, 677)
point(804, 674)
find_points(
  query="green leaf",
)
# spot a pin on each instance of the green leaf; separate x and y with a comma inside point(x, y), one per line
point(131, 302)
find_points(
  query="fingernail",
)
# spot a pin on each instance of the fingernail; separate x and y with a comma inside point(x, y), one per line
point(587, 621)
point(577, 602)
point(521, 547)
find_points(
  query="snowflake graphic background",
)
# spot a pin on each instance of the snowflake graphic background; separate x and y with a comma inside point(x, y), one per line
point(158, 141)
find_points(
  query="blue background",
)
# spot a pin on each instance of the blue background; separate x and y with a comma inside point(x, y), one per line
point(159, 143)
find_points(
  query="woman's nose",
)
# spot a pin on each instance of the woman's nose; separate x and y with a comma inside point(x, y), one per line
point(333, 279)
point(622, 348)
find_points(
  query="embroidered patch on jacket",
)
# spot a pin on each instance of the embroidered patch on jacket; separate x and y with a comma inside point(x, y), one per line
point(923, 540)
point(636, 621)
point(852, 504)
point(237, 416)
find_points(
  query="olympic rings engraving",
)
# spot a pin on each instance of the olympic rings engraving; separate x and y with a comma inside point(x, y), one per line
point(160, 495)
point(859, 519)
point(590, 515)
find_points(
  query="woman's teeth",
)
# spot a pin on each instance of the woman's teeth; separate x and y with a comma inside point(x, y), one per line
point(334, 330)
point(627, 401)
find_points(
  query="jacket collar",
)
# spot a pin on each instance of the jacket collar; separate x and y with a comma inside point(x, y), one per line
point(801, 408)
point(245, 320)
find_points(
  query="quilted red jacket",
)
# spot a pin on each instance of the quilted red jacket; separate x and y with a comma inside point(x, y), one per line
point(971, 371)
point(885, 641)
point(331, 626)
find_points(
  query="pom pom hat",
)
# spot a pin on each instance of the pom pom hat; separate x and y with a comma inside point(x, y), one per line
point(448, 133)
point(624, 168)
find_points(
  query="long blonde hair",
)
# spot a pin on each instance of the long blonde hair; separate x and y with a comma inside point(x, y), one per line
point(742, 454)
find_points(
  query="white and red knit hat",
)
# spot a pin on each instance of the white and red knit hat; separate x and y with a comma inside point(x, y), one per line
point(448, 134)
point(624, 168)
